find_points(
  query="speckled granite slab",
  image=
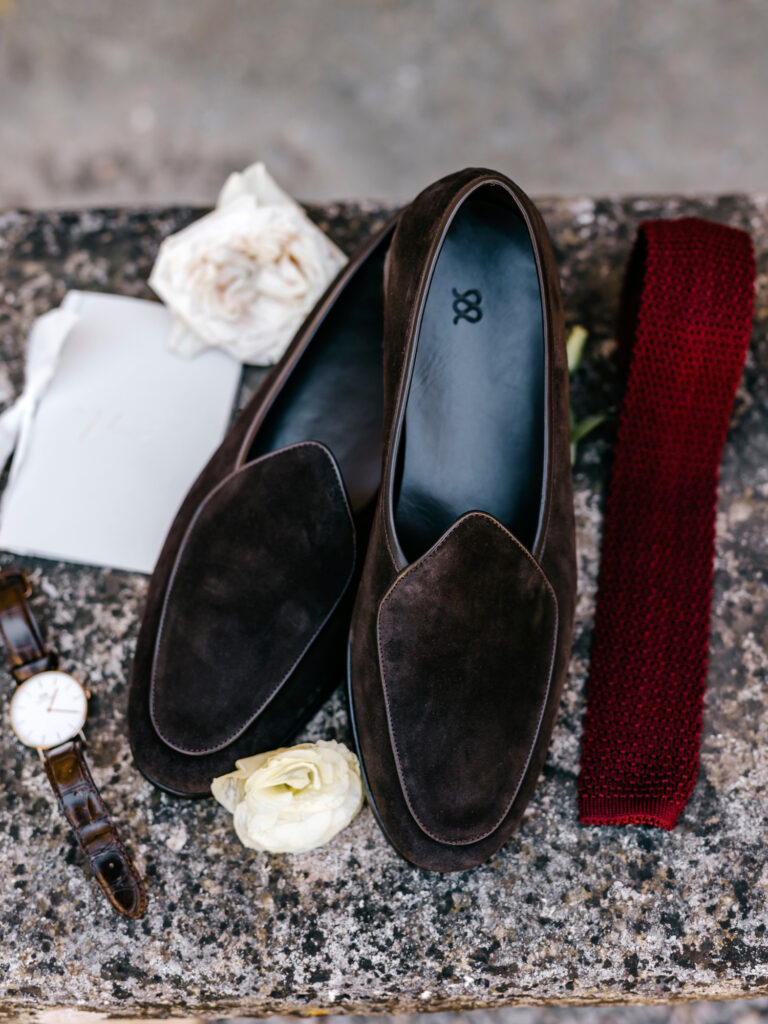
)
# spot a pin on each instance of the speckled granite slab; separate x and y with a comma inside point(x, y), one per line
point(562, 914)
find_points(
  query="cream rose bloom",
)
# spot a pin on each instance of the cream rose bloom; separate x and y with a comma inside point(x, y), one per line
point(292, 799)
point(244, 277)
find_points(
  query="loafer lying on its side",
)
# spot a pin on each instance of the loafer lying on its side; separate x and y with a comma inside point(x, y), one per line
point(248, 608)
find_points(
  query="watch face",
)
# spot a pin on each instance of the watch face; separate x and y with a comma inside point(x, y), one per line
point(48, 709)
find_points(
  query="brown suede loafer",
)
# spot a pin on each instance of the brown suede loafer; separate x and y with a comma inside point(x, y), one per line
point(248, 608)
point(462, 626)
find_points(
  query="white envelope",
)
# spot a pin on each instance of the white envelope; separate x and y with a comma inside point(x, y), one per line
point(119, 436)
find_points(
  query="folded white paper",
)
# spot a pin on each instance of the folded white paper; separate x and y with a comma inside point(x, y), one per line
point(110, 439)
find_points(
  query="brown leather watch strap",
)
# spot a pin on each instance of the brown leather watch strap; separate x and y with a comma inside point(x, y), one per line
point(84, 809)
point(65, 765)
point(20, 633)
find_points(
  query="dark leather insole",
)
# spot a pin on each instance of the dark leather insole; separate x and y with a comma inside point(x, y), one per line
point(474, 421)
point(334, 394)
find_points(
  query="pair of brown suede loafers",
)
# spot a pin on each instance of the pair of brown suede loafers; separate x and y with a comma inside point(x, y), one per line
point(427, 421)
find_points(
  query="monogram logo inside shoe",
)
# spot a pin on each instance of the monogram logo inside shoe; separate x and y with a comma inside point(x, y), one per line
point(466, 306)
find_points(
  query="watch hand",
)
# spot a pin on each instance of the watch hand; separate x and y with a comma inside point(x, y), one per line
point(53, 697)
point(65, 711)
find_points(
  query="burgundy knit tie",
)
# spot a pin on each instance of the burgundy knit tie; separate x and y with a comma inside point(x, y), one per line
point(686, 315)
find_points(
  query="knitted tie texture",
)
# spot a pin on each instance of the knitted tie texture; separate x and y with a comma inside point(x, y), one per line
point(686, 321)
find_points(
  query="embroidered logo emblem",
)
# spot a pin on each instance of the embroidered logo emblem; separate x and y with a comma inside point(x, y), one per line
point(466, 306)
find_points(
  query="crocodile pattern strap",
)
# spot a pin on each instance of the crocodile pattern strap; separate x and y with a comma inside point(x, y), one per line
point(27, 653)
point(84, 809)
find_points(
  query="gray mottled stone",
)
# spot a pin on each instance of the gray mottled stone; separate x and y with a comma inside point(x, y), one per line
point(562, 914)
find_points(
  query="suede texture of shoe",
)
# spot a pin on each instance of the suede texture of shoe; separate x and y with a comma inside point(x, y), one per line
point(248, 608)
point(462, 625)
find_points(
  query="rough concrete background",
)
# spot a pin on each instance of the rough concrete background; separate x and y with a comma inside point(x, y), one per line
point(157, 100)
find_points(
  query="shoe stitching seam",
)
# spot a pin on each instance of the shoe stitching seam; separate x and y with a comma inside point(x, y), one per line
point(545, 697)
point(195, 751)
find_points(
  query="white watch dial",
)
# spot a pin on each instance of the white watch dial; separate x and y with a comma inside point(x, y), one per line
point(47, 709)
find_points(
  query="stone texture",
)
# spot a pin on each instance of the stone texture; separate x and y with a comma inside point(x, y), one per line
point(562, 914)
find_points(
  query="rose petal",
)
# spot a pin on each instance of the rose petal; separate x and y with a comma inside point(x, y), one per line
point(256, 181)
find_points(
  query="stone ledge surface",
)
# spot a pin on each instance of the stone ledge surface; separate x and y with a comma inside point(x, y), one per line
point(563, 914)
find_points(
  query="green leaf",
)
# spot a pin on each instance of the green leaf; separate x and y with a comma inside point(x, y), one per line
point(577, 339)
point(580, 430)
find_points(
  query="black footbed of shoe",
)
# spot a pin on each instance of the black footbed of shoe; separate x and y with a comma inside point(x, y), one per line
point(341, 369)
point(473, 436)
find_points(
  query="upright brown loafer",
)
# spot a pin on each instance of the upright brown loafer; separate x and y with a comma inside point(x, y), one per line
point(248, 608)
point(462, 626)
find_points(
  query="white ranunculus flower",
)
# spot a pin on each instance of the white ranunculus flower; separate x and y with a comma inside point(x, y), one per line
point(244, 277)
point(292, 799)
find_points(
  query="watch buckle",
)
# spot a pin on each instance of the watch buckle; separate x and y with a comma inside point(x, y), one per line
point(13, 575)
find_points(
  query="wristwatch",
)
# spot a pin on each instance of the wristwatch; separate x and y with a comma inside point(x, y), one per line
point(48, 711)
